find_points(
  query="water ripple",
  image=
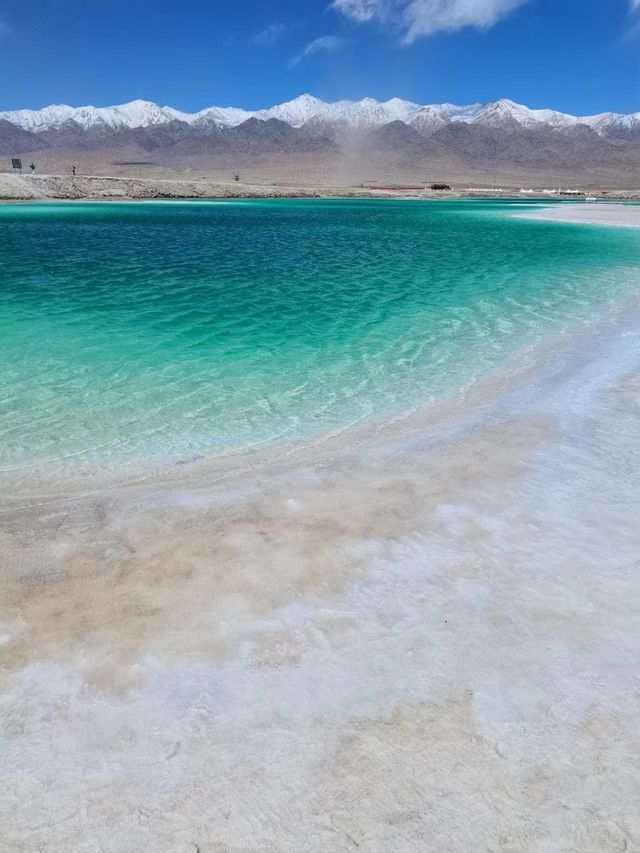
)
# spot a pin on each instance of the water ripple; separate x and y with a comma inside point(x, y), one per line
point(133, 333)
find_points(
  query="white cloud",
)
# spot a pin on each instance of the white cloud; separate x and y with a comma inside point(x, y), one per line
point(634, 29)
point(363, 10)
point(269, 35)
point(318, 45)
point(417, 18)
point(5, 29)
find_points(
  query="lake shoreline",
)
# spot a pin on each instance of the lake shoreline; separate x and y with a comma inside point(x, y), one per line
point(23, 188)
point(602, 213)
point(337, 642)
point(421, 589)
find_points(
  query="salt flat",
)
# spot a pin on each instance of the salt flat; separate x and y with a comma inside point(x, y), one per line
point(432, 638)
point(600, 213)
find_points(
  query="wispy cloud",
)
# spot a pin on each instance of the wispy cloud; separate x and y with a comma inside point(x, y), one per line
point(634, 29)
point(270, 34)
point(417, 18)
point(363, 10)
point(322, 44)
point(5, 29)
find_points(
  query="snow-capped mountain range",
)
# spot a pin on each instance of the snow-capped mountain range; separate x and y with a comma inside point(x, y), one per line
point(304, 110)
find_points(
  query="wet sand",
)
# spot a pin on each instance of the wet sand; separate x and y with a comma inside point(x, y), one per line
point(419, 635)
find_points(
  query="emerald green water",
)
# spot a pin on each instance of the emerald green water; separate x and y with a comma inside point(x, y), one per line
point(133, 335)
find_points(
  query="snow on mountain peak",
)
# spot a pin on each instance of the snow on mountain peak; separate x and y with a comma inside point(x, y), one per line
point(426, 118)
point(603, 121)
point(133, 114)
point(295, 112)
point(505, 110)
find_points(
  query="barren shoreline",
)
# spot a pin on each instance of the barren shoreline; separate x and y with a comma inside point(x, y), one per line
point(15, 188)
point(64, 187)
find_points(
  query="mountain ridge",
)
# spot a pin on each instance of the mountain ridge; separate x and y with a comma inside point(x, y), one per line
point(364, 114)
point(343, 141)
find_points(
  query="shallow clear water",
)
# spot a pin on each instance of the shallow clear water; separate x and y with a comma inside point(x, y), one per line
point(137, 334)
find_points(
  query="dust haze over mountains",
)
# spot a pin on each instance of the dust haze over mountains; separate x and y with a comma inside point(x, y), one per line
point(344, 142)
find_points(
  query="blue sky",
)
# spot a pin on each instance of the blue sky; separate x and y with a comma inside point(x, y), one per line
point(580, 56)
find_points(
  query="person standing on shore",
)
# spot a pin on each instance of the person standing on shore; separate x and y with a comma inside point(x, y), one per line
point(73, 171)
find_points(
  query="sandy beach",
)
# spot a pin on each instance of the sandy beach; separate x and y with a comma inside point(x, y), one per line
point(403, 636)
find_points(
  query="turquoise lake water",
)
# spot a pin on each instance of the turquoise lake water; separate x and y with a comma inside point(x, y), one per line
point(132, 332)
